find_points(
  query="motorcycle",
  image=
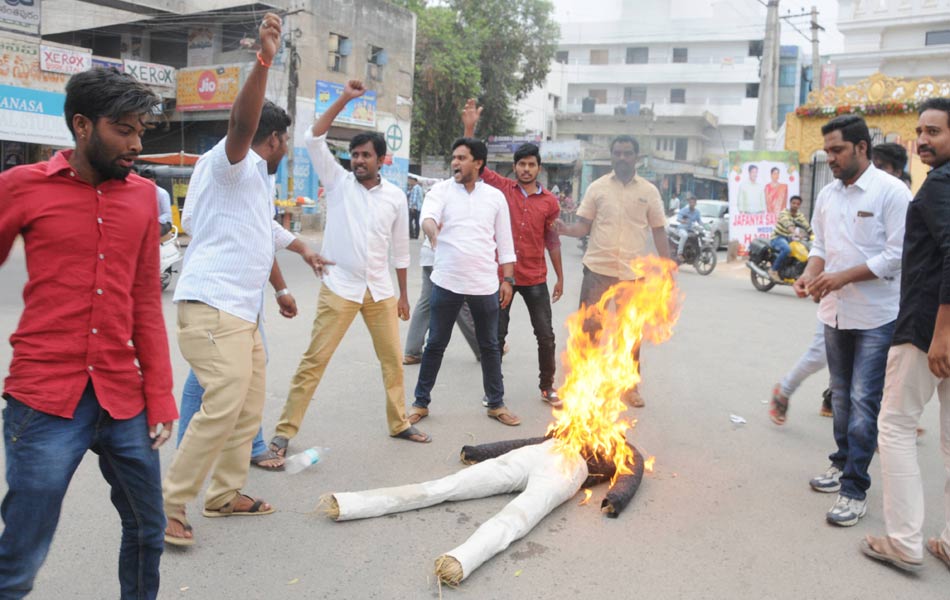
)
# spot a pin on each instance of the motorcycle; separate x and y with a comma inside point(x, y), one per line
point(761, 255)
point(700, 248)
point(169, 256)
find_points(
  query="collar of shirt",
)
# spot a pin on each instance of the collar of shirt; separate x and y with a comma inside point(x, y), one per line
point(539, 191)
point(862, 182)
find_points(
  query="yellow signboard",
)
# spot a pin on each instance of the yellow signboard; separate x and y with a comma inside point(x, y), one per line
point(208, 88)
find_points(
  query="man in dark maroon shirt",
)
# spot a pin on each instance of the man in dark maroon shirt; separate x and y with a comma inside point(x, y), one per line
point(533, 211)
point(90, 368)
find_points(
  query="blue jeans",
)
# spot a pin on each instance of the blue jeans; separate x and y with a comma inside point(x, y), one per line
point(42, 453)
point(419, 324)
point(780, 245)
point(191, 403)
point(857, 359)
point(444, 307)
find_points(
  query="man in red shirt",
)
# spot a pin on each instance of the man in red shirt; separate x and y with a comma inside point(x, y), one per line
point(533, 211)
point(90, 367)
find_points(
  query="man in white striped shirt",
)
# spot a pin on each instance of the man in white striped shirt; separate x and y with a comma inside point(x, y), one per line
point(366, 218)
point(220, 298)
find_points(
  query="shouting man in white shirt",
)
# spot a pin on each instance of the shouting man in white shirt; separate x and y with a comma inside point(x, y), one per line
point(854, 271)
point(466, 221)
point(366, 217)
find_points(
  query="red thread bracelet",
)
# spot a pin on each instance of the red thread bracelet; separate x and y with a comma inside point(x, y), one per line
point(260, 59)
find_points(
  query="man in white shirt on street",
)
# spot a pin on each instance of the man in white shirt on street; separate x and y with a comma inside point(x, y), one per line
point(854, 270)
point(467, 222)
point(366, 218)
point(220, 299)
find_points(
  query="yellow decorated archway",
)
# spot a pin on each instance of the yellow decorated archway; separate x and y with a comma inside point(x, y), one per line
point(888, 104)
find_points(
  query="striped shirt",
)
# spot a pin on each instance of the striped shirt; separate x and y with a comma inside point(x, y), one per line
point(229, 259)
point(786, 224)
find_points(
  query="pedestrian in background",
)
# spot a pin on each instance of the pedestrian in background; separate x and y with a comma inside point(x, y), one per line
point(416, 198)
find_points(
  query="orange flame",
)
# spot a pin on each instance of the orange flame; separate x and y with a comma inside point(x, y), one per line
point(587, 494)
point(648, 464)
point(600, 364)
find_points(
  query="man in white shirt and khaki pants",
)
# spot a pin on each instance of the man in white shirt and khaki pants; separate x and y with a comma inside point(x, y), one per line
point(366, 216)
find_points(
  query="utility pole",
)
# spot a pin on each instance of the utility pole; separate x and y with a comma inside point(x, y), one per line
point(815, 57)
point(767, 74)
point(293, 60)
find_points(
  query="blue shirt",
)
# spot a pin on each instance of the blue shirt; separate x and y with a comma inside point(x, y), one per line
point(415, 198)
point(690, 215)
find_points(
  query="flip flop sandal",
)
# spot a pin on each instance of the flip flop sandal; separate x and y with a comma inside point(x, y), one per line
point(267, 456)
point(504, 416)
point(416, 414)
point(778, 408)
point(936, 547)
point(407, 434)
point(278, 445)
point(228, 509)
point(881, 548)
point(175, 540)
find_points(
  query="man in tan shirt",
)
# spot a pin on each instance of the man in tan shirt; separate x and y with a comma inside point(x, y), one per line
point(618, 211)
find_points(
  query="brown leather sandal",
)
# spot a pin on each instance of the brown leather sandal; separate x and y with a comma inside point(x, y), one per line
point(228, 510)
point(504, 416)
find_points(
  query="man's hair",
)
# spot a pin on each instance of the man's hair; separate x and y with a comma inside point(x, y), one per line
point(935, 104)
point(796, 197)
point(274, 119)
point(626, 139)
point(477, 147)
point(753, 167)
point(774, 170)
point(379, 143)
point(894, 155)
point(107, 93)
point(853, 129)
point(525, 151)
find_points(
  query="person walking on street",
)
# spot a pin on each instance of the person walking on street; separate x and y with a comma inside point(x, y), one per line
point(467, 223)
point(91, 367)
point(533, 211)
point(220, 301)
point(918, 363)
point(366, 220)
point(619, 212)
point(416, 197)
point(854, 270)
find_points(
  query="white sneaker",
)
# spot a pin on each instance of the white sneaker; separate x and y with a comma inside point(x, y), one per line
point(828, 482)
point(846, 511)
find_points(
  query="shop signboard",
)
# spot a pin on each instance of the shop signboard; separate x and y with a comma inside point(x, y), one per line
point(361, 111)
point(103, 62)
point(20, 67)
point(208, 88)
point(22, 16)
point(68, 61)
point(33, 116)
point(151, 74)
point(506, 144)
point(760, 184)
point(566, 151)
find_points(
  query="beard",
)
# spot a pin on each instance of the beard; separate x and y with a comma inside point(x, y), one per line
point(107, 167)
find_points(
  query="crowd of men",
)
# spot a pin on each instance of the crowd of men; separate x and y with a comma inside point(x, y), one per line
point(92, 370)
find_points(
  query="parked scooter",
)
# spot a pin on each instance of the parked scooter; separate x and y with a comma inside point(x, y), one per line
point(169, 256)
point(699, 250)
point(761, 255)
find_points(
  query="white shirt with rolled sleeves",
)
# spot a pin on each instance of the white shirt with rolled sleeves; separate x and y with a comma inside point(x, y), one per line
point(862, 223)
point(473, 227)
point(362, 224)
point(229, 215)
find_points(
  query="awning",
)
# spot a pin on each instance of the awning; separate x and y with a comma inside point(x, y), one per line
point(175, 159)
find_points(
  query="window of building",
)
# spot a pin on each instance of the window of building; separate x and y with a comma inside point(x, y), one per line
point(562, 56)
point(680, 55)
point(555, 101)
point(599, 96)
point(751, 90)
point(599, 57)
point(635, 93)
point(748, 133)
point(339, 48)
point(682, 145)
point(755, 47)
point(376, 59)
point(934, 38)
point(787, 75)
point(638, 56)
point(678, 96)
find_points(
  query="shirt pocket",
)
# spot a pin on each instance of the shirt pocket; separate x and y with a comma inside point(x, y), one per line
point(868, 232)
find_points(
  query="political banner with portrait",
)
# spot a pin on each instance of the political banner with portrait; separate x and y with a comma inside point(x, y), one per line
point(760, 185)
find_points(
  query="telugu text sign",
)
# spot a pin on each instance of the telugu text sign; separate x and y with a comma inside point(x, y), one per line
point(22, 16)
point(212, 88)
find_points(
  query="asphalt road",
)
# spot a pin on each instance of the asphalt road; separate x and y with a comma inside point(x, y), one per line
point(727, 513)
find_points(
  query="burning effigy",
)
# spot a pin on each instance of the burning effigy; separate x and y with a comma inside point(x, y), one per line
point(586, 444)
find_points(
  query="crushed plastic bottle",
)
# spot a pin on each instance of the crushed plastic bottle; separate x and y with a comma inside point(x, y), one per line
point(303, 460)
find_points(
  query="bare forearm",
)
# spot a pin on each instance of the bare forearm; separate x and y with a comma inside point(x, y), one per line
point(325, 121)
point(430, 228)
point(858, 273)
point(661, 242)
point(298, 246)
point(246, 113)
point(578, 228)
point(401, 280)
point(508, 269)
point(555, 255)
point(277, 277)
point(815, 267)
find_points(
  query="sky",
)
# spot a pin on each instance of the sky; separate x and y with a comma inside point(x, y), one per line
point(830, 41)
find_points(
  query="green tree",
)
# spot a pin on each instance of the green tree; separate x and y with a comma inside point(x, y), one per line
point(494, 50)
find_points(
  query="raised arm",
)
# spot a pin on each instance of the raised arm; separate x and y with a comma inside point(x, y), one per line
point(354, 88)
point(470, 116)
point(246, 110)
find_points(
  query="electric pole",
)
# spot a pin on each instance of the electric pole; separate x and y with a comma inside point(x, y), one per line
point(293, 60)
point(815, 57)
point(767, 73)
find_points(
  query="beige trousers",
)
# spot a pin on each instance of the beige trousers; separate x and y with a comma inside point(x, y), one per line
point(908, 386)
point(227, 356)
point(334, 316)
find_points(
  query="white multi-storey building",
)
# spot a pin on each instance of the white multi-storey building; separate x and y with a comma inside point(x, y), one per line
point(899, 38)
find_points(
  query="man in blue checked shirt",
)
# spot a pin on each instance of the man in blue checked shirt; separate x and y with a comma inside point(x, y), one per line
point(416, 196)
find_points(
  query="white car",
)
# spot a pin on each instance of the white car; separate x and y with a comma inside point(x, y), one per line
point(715, 217)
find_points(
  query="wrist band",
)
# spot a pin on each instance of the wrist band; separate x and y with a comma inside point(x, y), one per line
point(260, 59)
point(283, 292)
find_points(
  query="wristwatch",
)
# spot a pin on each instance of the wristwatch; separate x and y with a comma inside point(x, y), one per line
point(510, 280)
